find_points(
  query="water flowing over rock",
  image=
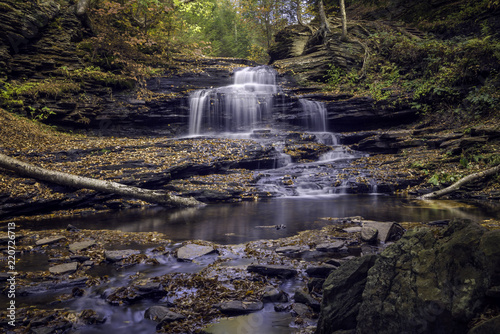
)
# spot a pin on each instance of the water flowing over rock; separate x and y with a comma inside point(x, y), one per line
point(248, 104)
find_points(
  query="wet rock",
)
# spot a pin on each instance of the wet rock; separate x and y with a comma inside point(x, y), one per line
point(52, 286)
point(490, 326)
point(354, 229)
point(315, 284)
point(330, 246)
point(65, 268)
point(369, 234)
point(49, 240)
point(118, 255)
point(236, 307)
point(303, 297)
point(385, 230)
point(79, 258)
point(72, 228)
point(274, 295)
point(91, 317)
point(162, 314)
point(289, 250)
point(301, 310)
point(273, 270)
point(190, 252)
point(82, 245)
point(342, 295)
point(320, 271)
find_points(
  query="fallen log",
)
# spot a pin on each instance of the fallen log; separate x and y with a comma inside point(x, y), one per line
point(455, 186)
point(76, 181)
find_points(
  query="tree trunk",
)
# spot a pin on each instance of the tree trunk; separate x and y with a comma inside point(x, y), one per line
point(299, 16)
point(76, 181)
point(462, 181)
point(325, 26)
point(343, 16)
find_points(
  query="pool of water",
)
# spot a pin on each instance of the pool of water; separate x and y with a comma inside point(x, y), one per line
point(248, 221)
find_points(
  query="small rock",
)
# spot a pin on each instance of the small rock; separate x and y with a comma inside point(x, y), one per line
point(79, 258)
point(273, 270)
point(118, 255)
point(303, 297)
point(289, 250)
point(273, 295)
point(354, 229)
point(238, 307)
point(330, 246)
point(190, 252)
point(320, 271)
point(79, 246)
point(315, 284)
point(90, 317)
point(72, 228)
point(49, 240)
point(301, 310)
point(65, 268)
point(369, 234)
point(160, 314)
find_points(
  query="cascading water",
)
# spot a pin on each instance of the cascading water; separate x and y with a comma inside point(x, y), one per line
point(247, 105)
point(243, 106)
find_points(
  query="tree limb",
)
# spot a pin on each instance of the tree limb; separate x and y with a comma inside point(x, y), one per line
point(462, 181)
point(76, 181)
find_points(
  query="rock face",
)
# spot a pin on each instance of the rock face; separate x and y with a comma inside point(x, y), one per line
point(432, 281)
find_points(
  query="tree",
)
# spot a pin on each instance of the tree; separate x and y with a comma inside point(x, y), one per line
point(343, 16)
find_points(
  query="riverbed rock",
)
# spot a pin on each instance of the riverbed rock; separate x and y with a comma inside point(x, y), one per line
point(82, 245)
point(369, 234)
point(280, 271)
point(118, 255)
point(274, 295)
point(190, 252)
point(321, 271)
point(330, 246)
point(302, 296)
point(235, 307)
point(290, 250)
point(50, 240)
point(161, 314)
point(65, 268)
point(385, 230)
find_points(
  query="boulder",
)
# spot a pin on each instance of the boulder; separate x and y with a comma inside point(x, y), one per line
point(369, 234)
point(385, 230)
point(321, 271)
point(342, 295)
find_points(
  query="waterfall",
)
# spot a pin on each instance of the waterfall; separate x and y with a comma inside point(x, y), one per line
point(242, 106)
point(315, 115)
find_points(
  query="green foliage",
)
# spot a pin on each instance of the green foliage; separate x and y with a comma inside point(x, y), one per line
point(442, 177)
point(334, 75)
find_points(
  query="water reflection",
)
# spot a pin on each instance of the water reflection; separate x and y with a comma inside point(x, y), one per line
point(242, 222)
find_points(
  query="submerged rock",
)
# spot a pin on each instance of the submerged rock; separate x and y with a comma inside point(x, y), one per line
point(190, 252)
point(274, 295)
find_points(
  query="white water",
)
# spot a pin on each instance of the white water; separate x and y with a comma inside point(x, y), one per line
point(315, 115)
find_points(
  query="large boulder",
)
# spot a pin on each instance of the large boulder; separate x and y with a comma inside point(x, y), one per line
point(432, 281)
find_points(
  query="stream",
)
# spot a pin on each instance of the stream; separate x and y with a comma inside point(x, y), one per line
point(305, 194)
